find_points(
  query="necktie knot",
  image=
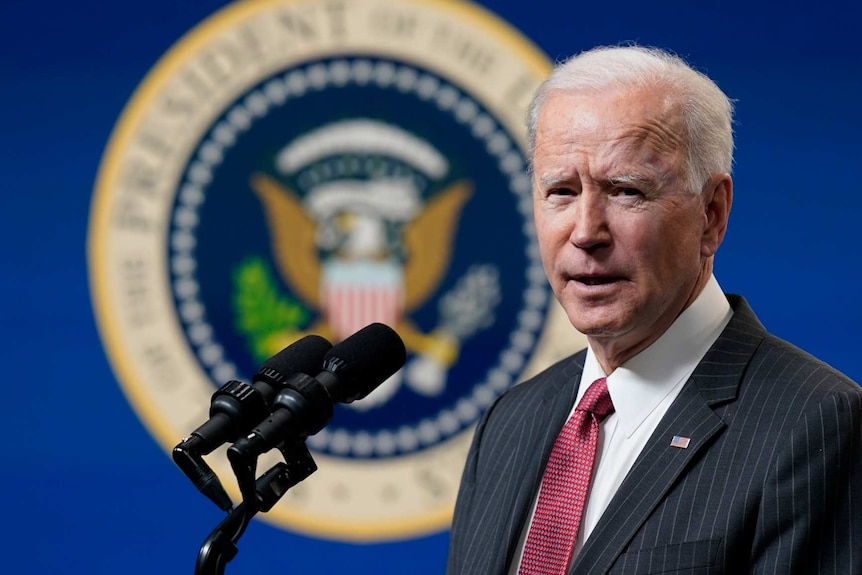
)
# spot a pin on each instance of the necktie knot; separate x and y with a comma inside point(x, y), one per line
point(597, 400)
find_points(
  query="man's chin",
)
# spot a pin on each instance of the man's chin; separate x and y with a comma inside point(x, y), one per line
point(597, 330)
point(594, 322)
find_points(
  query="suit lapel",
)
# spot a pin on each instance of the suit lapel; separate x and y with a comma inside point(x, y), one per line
point(660, 465)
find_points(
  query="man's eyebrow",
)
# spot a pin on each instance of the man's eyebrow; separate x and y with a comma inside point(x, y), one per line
point(550, 181)
point(632, 178)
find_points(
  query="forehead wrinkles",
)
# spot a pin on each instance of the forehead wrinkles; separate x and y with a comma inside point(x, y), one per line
point(637, 154)
point(652, 119)
point(630, 132)
point(658, 135)
point(650, 148)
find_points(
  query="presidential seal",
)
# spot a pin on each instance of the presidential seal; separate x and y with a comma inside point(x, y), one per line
point(310, 167)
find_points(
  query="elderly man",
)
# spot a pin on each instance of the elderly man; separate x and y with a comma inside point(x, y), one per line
point(685, 438)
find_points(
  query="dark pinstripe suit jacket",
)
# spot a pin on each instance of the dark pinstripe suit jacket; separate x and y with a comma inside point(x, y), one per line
point(770, 483)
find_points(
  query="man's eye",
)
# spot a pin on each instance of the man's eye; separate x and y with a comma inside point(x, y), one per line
point(630, 192)
point(560, 192)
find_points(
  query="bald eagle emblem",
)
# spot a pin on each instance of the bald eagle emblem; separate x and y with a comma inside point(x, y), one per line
point(360, 245)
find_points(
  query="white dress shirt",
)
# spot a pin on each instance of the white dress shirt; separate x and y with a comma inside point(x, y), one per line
point(642, 390)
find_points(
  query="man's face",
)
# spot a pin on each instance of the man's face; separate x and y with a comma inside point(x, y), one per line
point(620, 234)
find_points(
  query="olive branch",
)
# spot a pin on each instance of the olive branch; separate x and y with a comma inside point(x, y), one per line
point(260, 310)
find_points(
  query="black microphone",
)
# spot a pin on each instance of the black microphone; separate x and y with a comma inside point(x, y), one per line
point(352, 369)
point(237, 406)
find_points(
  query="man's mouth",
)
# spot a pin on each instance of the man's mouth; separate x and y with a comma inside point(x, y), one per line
point(596, 280)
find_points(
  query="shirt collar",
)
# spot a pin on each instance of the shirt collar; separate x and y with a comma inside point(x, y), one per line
point(639, 385)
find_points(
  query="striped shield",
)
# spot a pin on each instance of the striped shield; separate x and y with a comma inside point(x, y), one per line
point(357, 293)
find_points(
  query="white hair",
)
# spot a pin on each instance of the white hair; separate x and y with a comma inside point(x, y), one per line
point(707, 112)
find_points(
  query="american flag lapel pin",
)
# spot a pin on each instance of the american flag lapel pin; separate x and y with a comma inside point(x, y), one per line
point(679, 441)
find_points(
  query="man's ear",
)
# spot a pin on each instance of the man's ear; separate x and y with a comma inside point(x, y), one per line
point(717, 197)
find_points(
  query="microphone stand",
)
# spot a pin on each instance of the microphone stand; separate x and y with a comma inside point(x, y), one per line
point(220, 547)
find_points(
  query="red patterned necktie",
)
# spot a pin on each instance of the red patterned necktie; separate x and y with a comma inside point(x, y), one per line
point(565, 485)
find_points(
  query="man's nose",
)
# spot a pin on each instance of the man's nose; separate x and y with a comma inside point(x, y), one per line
point(590, 229)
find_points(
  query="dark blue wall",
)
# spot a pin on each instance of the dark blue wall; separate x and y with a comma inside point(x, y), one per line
point(86, 488)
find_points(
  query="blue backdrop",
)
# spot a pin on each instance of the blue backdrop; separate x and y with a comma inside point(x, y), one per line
point(88, 490)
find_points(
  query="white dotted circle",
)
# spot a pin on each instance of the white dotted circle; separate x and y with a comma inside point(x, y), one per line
point(448, 99)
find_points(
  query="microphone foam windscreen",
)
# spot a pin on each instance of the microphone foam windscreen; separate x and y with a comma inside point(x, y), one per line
point(303, 356)
point(365, 360)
